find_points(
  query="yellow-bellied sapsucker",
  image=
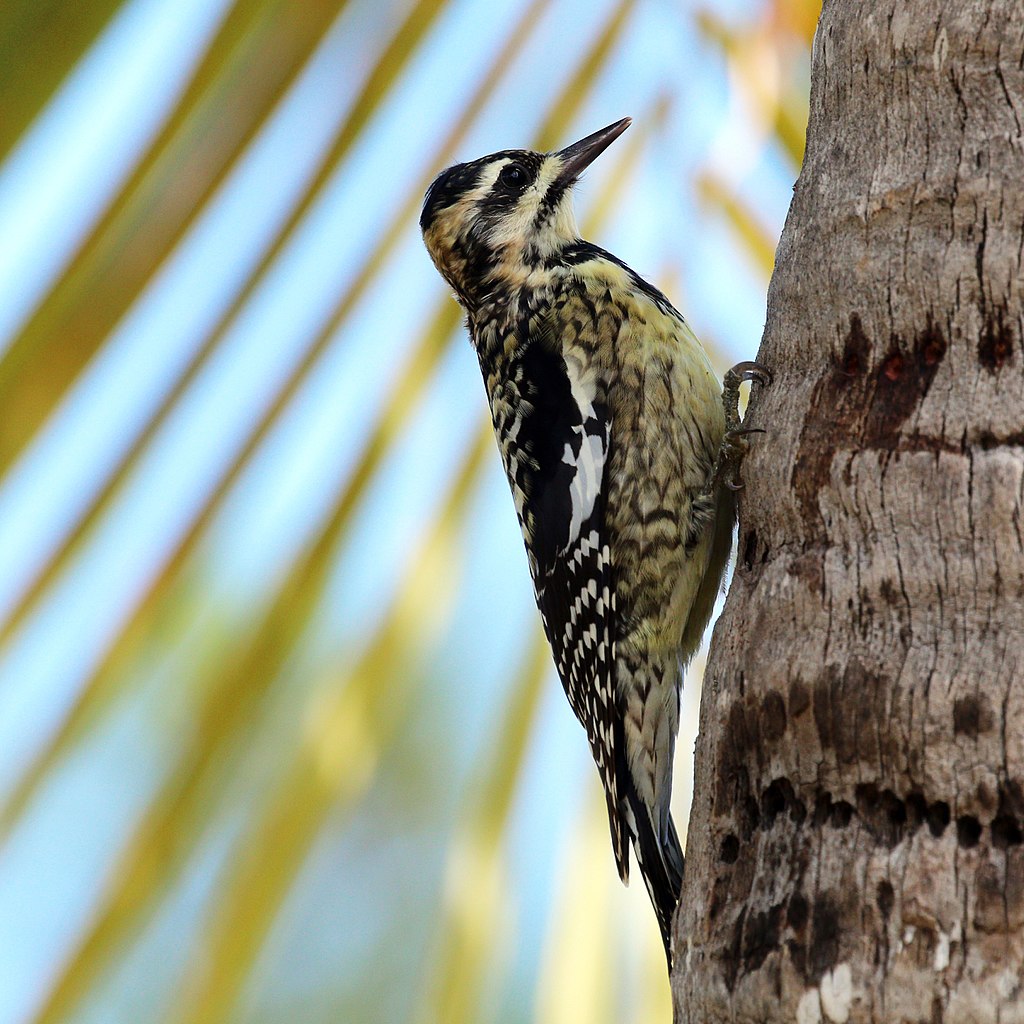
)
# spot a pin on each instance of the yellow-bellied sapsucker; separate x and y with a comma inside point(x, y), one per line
point(616, 438)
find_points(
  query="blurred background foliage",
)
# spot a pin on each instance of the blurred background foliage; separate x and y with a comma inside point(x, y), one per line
point(279, 736)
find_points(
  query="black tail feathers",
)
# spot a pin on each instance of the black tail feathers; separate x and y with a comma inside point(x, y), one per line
point(660, 859)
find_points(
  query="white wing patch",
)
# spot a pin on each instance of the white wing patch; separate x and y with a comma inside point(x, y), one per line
point(586, 481)
point(592, 443)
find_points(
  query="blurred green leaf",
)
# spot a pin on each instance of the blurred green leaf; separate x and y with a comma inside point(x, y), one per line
point(257, 53)
point(403, 398)
point(383, 75)
point(349, 726)
point(577, 983)
point(751, 234)
point(237, 664)
point(469, 925)
point(760, 54)
point(40, 42)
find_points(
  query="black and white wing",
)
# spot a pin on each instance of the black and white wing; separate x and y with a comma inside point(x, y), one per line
point(554, 430)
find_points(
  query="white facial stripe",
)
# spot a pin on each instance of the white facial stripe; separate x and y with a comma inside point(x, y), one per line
point(548, 172)
point(561, 225)
point(519, 225)
point(516, 232)
point(488, 177)
point(463, 208)
point(467, 202)
point(514, 227)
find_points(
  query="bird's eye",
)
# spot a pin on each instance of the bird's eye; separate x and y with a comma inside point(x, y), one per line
point(512, 175)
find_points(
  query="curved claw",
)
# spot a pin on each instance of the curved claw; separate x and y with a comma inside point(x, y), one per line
point(733, 445)
point(758, 373)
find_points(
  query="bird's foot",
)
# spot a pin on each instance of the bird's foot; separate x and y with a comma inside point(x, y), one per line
point(735, 440)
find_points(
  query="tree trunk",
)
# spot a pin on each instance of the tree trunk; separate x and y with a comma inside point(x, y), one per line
point(855, 847)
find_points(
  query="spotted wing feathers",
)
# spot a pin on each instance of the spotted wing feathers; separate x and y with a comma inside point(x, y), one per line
point(554, 431)
point(576, 597)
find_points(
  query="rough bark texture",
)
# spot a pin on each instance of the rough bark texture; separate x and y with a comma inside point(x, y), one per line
point(855, 847)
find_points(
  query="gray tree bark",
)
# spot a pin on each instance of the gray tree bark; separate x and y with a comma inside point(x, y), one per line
point(856, 846)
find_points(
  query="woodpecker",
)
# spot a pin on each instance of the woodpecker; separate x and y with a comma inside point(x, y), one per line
point(621, 449)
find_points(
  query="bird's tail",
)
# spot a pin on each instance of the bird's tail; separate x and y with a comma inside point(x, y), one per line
point(660, 858)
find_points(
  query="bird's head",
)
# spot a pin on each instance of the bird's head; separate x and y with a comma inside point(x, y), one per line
point(490, 223)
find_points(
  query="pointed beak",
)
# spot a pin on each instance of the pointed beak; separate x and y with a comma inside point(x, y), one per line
point(580, 155)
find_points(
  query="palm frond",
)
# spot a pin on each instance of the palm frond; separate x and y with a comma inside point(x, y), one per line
point(282, 724)
point(39, 46)
point(259, 50)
